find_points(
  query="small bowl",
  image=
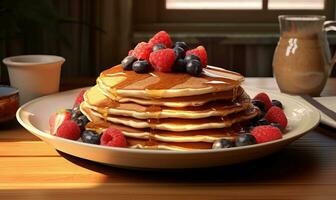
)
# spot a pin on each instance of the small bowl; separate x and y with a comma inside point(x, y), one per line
point(9, 102)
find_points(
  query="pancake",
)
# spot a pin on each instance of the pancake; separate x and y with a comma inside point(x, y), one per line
point(173, 124)
point(208, 135)
point(196, 100)
point(176, 146)
point(104, 105)
point(165, 85)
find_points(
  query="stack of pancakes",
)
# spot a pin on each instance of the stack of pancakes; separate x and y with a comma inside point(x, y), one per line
point(174, 111)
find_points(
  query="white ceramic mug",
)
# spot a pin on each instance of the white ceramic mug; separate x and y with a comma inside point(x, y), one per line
point(34, 75)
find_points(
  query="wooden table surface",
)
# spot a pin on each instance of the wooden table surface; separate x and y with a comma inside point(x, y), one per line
point(306, 169)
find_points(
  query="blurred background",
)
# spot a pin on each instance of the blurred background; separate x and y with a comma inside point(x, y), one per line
point(93, 35)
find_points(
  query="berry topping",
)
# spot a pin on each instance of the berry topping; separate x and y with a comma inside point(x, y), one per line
point(163, 38)
point(201, 53)
point(277, 125)
point(81, 122)
point(158, 47)
point(79, 98)
point(194, 67)
point(264, 98)
point(259, 104)
point(57, 119)
point(90, 137)
point(142, 50)
point(222, 143)
point(183, 45)
point(245, 139)
point(277, 103)
point(69, 130)
point(113, 137)
point(127, 62)
point(266, 133)
point(141, 66)
point(179, 65)
point(179, 51)
point(276, 114)
point(262, 121)
point(191, 57)
point(75, 112)
point(163, 60)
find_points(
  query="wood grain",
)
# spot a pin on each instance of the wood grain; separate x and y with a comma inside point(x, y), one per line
point(306, 169)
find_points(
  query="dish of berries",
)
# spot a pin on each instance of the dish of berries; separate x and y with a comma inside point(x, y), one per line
point(110, 147)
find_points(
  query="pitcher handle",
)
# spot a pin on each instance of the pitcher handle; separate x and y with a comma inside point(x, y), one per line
point(331, 26)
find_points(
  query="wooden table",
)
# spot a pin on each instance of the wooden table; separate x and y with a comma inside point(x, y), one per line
point(306, 169)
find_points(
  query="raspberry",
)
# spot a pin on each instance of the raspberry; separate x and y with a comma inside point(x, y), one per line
point(130, 52)
point(276, 114)
point(69, 130)
point(161, 37)
point(201, 53)
point(79, 98)
point(266, 133)
point(264, 98)
point(162, 60)
point(142, 50)
point(57, 119)
point(113, 137)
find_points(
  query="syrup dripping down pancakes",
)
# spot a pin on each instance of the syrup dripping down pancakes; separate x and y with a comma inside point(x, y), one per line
point(172, 111)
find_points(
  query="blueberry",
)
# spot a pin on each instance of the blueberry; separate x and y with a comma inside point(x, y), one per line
point(222, 143)
point(127, 62)
point(262, 122)
point(194, 67)
point(81, 122)
point(245, 139)
point(141, 66)
point(259, 104)
point(277, 125)
point(183, 45)
point(159, 46)
point(90, 137)
point(179, 66)
point(191, 57)
point(180, 53)
point(75, 112)
point(277, 103)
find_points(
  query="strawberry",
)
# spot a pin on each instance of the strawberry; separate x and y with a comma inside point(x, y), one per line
point(161, 37)
point(265, 99)
point(69, 130)
point(79, 98)
point(57, 119)
point(162, 60)
point(142, 50)
point(130, 52)
point(201, 53)
point(113, 137)
point(266, 133)
point(276, 114)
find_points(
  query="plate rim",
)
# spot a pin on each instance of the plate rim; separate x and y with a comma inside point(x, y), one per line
point(35, 131)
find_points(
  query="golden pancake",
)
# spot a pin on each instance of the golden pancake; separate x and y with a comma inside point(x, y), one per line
point(174, 124)
point(104, 105)
point(196, 100)
point(165, 85)
point(208, 135)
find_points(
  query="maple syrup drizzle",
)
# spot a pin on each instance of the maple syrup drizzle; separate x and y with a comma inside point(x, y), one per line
point(169, 80)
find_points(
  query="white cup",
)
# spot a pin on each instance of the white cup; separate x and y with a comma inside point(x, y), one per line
point(34, 75)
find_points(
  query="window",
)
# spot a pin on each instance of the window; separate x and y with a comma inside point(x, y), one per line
point(245, 4)
point(223, 16)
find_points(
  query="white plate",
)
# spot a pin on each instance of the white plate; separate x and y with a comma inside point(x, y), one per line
point(34, 117)
point(329, 102)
